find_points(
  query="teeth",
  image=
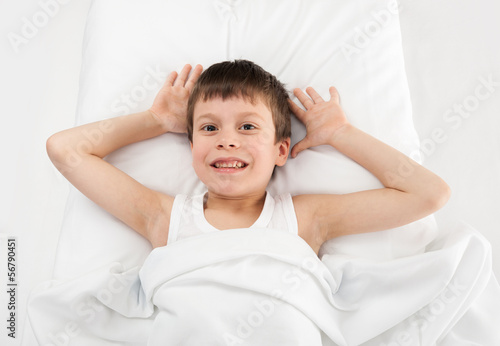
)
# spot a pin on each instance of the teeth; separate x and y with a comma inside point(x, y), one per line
point(235, 164)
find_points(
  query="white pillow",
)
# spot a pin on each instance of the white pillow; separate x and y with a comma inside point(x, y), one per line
point(131, 45)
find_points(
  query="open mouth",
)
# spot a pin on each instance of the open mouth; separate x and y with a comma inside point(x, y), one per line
point(229, 165)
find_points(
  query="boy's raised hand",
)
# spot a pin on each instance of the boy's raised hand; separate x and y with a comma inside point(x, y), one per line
point(170, 104)
point(321, 118)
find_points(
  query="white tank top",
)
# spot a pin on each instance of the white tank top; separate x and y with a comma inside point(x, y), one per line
point(188, 218)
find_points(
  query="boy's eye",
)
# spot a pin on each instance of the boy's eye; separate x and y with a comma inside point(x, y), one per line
point(209, 128)
point(248, 127)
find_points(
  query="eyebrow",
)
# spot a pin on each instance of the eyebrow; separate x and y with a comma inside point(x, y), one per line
point(242, 114)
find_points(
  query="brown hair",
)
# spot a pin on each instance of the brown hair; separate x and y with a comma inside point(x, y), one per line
point(243, 78)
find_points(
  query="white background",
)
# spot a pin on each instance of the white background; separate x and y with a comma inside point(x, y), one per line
point(448, 46)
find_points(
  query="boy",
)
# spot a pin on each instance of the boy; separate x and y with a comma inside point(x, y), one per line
point(237, 119)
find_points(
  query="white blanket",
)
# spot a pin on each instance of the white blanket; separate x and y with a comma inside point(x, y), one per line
point(266, 287)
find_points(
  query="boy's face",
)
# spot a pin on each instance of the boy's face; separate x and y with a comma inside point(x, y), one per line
point(235, 132)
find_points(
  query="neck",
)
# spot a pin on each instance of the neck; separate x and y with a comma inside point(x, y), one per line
point(233, 204)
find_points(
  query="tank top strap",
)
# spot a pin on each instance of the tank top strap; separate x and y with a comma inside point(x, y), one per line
point(175, 218)
point(266, 213)
point(285, 203)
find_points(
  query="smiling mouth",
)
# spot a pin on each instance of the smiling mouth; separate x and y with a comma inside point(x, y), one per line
point(229, 165)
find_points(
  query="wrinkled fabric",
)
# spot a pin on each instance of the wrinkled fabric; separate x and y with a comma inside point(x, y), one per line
point(266, 287)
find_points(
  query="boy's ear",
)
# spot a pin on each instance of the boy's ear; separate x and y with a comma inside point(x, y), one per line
point(284, 149)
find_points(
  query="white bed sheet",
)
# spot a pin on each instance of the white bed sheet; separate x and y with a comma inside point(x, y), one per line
point(249, 269)
point(447, 45)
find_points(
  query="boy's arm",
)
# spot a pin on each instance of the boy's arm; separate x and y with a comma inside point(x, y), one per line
point(78, 154)
point(407, 196)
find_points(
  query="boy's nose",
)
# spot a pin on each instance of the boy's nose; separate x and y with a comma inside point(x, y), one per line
point(227, 142)
point(226, 146)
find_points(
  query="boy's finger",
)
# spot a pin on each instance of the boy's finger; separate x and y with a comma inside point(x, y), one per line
point(171, 78)
point(194, 77)
point(302, 145)
point(299, 112)
point(334, 95)
point(303, 98)
point(314, 95)
point(181, 80)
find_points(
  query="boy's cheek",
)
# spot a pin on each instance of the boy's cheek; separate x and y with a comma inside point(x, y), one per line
point(195, 154)
point(261, 144)
point(267, 136)
point(196, 158)
point(198, 169)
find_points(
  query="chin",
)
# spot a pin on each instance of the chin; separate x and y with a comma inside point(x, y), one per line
point(228, 190)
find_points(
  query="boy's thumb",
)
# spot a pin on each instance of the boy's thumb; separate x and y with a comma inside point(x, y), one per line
point(299, 146)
